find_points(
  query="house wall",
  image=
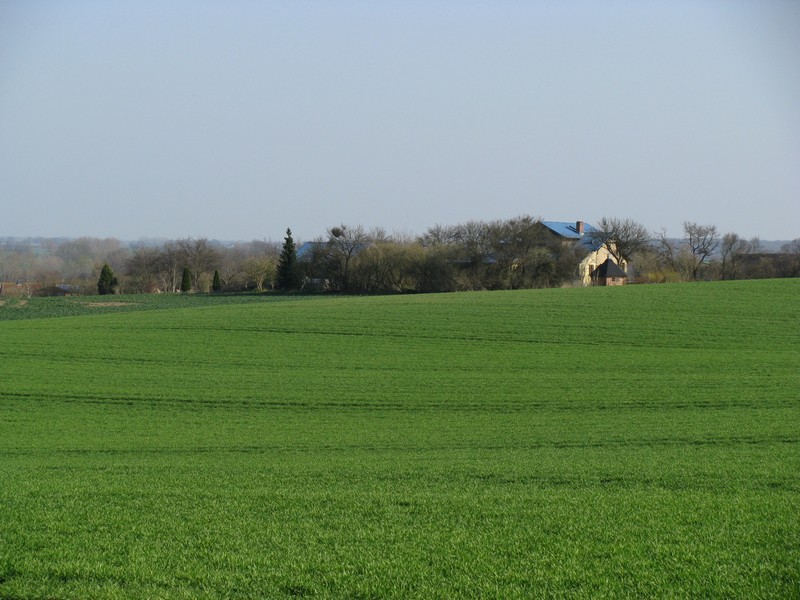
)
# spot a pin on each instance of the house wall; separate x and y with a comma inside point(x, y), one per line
point(590, 263)
point(594, 260)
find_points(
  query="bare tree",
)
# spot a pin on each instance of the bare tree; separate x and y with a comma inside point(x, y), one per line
point(378, 235)
point(471, 252)
point(732, 248)
point(702, 241)
point(344, 243)
point(439, 235)
point(384, 267)
point(688, 255)
point(78, 258)
point(432, 270)
point(623, 238)
point(511, 243)
point(143, 268)
point(674, 257)
point(792, 247)
point(402, 236)
point(170, 266)
point(791, 258)
point(230, 265)
point(472, 237)
point(260, 270)
point(200, 256)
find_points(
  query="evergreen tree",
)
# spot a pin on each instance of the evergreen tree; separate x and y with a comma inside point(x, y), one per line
point(288, 273)
point(107, 284)
point(216, 286)
point(186, 282)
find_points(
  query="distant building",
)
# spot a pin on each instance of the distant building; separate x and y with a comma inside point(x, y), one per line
point(579, 232)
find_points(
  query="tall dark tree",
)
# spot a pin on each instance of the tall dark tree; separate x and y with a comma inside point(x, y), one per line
point(107, 284)
point(216, 285)
point(186, 281)
point(288, 275)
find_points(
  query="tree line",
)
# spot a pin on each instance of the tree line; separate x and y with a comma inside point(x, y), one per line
point(475, 255)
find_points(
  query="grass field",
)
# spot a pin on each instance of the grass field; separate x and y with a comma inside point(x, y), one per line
point(600, 442)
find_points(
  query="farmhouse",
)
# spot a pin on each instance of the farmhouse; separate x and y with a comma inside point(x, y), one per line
point(579, 232)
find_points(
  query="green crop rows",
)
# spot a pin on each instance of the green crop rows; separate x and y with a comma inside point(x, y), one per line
point(629, 442)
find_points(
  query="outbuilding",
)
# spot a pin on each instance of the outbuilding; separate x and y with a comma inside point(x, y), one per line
point(608, 273)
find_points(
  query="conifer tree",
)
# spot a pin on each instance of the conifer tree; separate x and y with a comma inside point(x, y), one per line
point(186, 282)
point(107, 284)
point(288, 275)
point(216, 285)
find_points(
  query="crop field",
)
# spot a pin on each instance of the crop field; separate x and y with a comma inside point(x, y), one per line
point(641, 441)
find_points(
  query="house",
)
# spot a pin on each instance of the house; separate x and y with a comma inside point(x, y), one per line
point(307, 250)
point(579, 232)
point(608, 273)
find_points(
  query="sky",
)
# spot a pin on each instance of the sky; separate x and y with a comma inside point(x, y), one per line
point(235, 119)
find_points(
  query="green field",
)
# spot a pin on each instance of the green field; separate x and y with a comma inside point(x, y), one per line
point(641, 441)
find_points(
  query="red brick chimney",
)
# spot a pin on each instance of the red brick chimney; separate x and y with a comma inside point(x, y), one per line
point(579, 227)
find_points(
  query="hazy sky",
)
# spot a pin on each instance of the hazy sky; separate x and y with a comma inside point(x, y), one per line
point(235, 119)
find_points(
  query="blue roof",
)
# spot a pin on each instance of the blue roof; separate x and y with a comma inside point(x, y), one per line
point(307, 250)
point(569, 230)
